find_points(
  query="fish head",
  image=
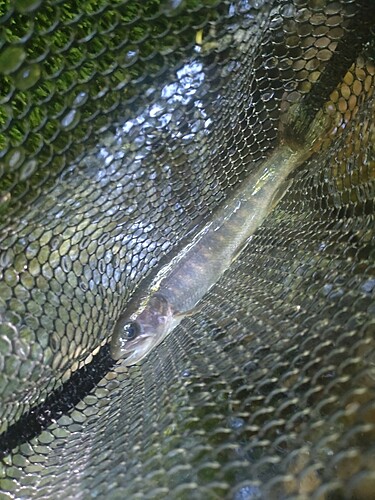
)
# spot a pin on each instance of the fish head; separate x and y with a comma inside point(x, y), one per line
point(136, 334)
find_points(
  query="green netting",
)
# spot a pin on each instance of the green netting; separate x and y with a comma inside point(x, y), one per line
point(124, 126)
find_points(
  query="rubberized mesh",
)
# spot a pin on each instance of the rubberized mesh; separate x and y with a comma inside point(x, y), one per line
point(123, 126)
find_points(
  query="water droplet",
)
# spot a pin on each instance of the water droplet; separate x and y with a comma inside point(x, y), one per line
point(101, 266)
point(71, 119)
point(28, 169)
point(236, 423)
point(248, 492)
point(5, 197)
point(267, 96)
point(66, 263)
point(15, 158)
point(103, 239)
point(327, 288)
point(55, 242)
point(80, 99)
point(84, 286)
point(84, 243)
point(27, 77)
point(11, 59)
point(368, 285)
point(6, 259)
point(55, 342)
point(131, 56)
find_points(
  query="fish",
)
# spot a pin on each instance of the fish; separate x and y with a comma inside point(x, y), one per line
point(180, 284)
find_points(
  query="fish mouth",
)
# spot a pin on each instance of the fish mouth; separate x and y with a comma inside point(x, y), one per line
point(138, 352)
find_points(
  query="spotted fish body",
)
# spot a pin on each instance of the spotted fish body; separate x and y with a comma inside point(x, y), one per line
point(179, 286)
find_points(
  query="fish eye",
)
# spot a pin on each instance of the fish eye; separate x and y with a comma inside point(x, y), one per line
point(131, 330)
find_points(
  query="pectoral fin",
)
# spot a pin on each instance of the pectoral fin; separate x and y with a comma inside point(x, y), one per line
point(190, 312)
point(280, 193)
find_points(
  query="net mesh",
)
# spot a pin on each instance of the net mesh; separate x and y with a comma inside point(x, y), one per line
point(123, 126)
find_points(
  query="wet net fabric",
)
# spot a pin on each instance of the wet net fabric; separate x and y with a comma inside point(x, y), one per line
point(123, 126)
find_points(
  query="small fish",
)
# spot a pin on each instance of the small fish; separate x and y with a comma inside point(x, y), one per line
point(180, 284)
